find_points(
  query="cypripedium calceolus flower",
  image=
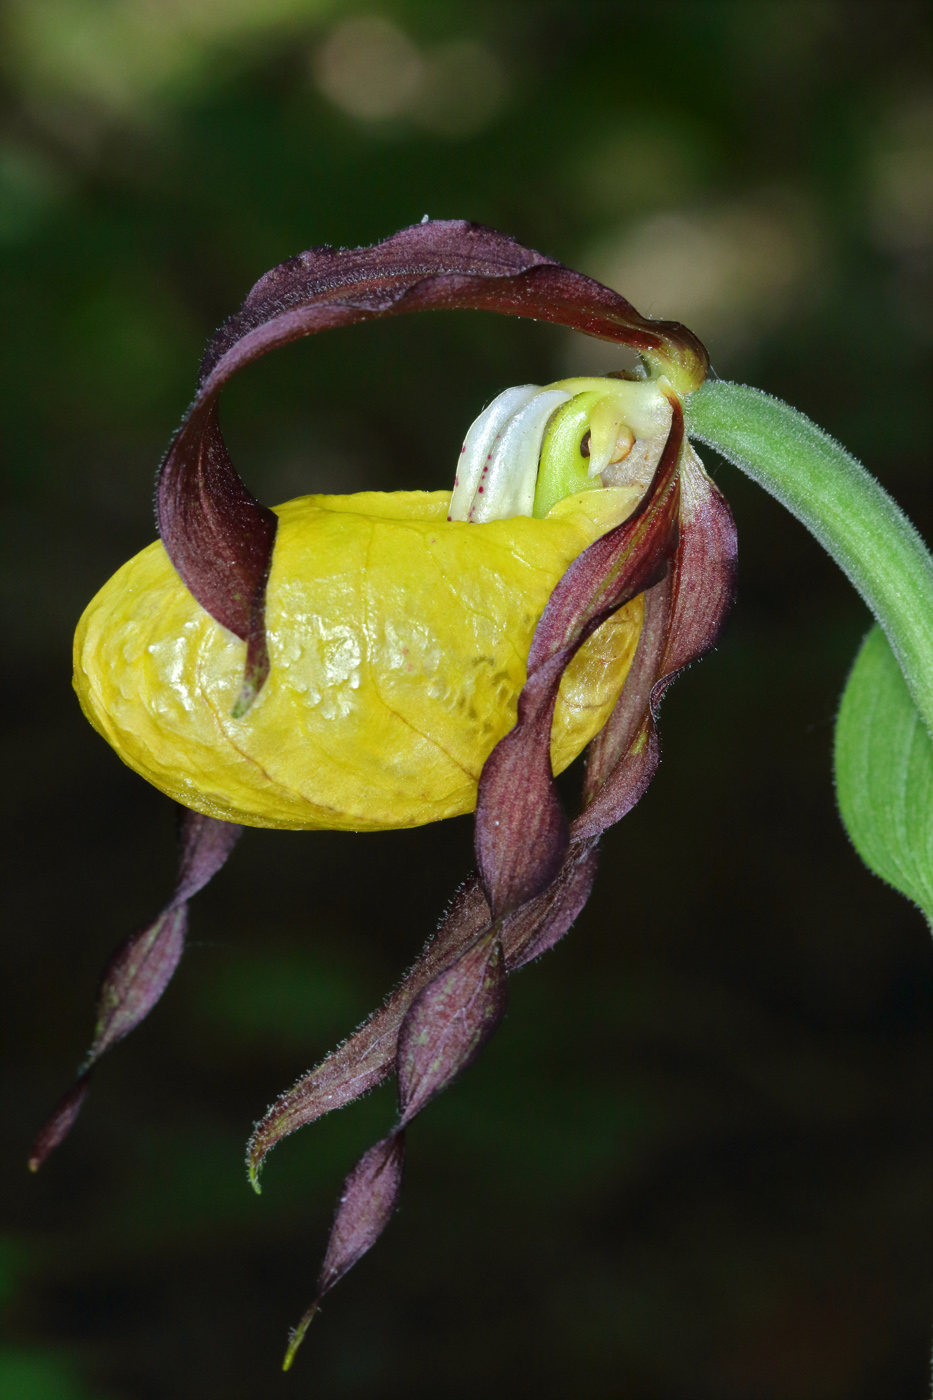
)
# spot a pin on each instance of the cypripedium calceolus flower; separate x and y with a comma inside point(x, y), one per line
point(384, 660)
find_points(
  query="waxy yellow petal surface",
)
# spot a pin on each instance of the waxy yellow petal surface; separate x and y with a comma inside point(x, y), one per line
point(398, 642)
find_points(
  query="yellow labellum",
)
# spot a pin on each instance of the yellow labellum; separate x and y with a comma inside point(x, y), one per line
point(398, 642)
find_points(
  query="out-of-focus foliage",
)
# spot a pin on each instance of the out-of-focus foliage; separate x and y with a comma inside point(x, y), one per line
point(736, 1203)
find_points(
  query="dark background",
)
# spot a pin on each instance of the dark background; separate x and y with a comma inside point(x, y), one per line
point(693, 1162)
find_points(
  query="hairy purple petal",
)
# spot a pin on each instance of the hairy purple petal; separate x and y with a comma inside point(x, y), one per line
point(538, 925)
point(367, 1202)
point(142, 966)
point(368, 1056)
point(627, 783)
point(59, 1123)
point(522, 842)
point(136, 977)
point(534, 879)
point(623, 758)
point(445, 1027)
point(205, 846)
point(627, 720)
point(703, 575)
point(449, 1022)
point(521, 829)
point(218, 536)
point(683, 618)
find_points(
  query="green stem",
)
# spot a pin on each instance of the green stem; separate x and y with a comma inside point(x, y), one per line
point(854, 519)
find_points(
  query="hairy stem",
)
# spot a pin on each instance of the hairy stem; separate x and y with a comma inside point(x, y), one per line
point(841, 504)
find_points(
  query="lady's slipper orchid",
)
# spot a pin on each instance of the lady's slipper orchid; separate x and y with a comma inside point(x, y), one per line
point(411, 656)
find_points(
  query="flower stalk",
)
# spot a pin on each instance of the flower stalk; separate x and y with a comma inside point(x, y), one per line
point(841, 504)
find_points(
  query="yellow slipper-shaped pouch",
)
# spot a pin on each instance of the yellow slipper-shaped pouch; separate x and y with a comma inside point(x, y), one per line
point(398, 642)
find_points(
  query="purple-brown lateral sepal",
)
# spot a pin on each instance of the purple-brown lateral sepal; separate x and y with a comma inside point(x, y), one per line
point(367, 1202)
point(521, 832)
point(684, 615)
point(535, 886)
point(449, 1021)
point(442, 1032)
point(535, 870)
point(369, 1055)
point(142, 966)
point(218, 536)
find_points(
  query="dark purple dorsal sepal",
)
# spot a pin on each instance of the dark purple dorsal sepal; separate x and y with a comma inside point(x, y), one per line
point(218, 536)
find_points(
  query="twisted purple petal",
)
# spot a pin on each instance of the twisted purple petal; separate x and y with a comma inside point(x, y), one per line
point(142, 966)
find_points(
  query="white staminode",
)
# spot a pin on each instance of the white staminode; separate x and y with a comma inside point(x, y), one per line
point(479, 442)
point(498, 467)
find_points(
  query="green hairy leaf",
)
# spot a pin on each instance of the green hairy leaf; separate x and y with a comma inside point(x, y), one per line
point(884, 773)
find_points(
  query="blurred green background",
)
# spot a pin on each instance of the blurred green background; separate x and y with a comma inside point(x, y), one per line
point(693, 1163)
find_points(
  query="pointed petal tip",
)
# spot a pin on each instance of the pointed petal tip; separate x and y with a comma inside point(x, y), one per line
point(256, 670)
point(244, 701)
point(266, 1134)
point(253, 1168)
point(59, 1123)
point(297, 1336)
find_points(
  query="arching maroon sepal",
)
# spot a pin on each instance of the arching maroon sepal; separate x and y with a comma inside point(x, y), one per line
point(218, 536)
